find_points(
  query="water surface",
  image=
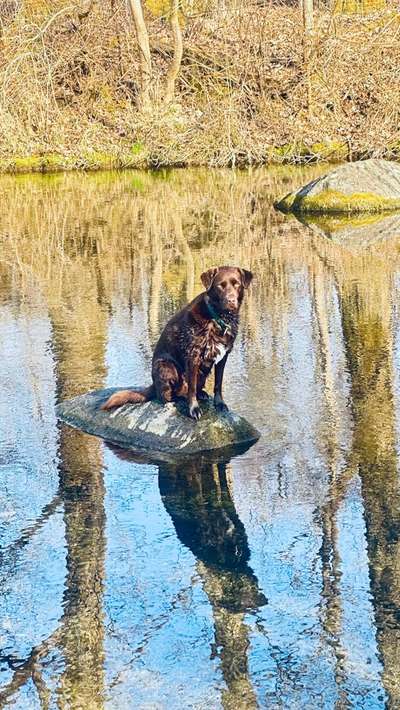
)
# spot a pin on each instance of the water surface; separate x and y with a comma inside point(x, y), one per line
point(271, 580)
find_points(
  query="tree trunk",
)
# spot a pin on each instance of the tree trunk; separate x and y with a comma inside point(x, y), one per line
point(175, 65)
point(144, 50)
point(308, 16)
point(308, 25)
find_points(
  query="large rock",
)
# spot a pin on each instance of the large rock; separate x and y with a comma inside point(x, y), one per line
point(155, 428)
point(365, 186)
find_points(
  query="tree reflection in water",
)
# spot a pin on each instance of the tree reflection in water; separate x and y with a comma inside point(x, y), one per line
point(365, 288)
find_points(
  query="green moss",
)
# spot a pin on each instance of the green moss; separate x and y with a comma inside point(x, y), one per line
point(50, 162)
point(288, 152)
point(335, 202)
point(137, 148)
point(134, 157)
point(138, 156)
point(53, 162)
point(30, 163)
point(334, 151)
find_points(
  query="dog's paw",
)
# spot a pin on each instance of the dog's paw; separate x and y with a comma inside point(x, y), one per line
point(220, 405)
point(195, 412)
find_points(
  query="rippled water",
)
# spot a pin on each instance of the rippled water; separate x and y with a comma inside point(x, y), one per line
point(270, 580)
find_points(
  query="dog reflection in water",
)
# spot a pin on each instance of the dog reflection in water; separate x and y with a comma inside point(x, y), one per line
point(198, 499)
point(197, 496)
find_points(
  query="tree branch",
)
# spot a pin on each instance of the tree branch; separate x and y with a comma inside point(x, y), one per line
point(175, 65)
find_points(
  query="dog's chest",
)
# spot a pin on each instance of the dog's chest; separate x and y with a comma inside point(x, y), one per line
point(218, 352)
point(214, 351)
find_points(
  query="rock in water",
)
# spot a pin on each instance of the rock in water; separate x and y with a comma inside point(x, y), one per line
point(365, 186)
point(156, 428)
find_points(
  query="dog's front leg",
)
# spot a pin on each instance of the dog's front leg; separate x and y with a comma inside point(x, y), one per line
point(219, 376)
point(192, 373)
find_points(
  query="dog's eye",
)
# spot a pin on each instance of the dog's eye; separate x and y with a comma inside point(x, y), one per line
point(234, 283)
point(222, 284)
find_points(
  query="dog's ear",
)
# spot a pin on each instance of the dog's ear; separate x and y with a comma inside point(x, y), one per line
point(208, 277)
point(247, 277)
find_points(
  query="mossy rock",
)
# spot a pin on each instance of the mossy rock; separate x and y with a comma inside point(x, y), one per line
point(365, 186)
point(154, 428)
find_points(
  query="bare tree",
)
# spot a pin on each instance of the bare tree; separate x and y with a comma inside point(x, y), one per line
point(175, 65)
point(308, 16)
point(144, 50)
point(308, 25)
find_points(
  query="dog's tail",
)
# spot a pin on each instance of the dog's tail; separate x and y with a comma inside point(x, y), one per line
point(124, 396)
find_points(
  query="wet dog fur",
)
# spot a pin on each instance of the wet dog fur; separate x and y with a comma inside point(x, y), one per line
point(196, 339)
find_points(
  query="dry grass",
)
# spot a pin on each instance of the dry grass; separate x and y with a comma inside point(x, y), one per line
point(69, 83)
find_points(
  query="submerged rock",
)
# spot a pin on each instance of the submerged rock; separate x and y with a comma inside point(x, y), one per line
point(153, 427)
point(365, 186)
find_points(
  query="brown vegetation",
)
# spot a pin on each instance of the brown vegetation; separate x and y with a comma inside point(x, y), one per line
point(214, 83)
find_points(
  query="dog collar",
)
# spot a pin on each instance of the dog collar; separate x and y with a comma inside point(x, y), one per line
point(225, 327)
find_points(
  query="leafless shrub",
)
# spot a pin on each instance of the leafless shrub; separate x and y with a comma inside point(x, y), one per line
point(70, 78)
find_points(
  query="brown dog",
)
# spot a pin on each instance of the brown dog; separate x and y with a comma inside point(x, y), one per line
point(197, 338)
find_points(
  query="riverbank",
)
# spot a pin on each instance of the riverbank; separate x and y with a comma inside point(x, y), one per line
point(244, 95)
point(141, 159)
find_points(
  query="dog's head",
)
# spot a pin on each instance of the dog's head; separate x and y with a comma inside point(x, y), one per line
point(225, 286)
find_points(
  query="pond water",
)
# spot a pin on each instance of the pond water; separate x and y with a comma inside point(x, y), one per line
point(271, 580)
